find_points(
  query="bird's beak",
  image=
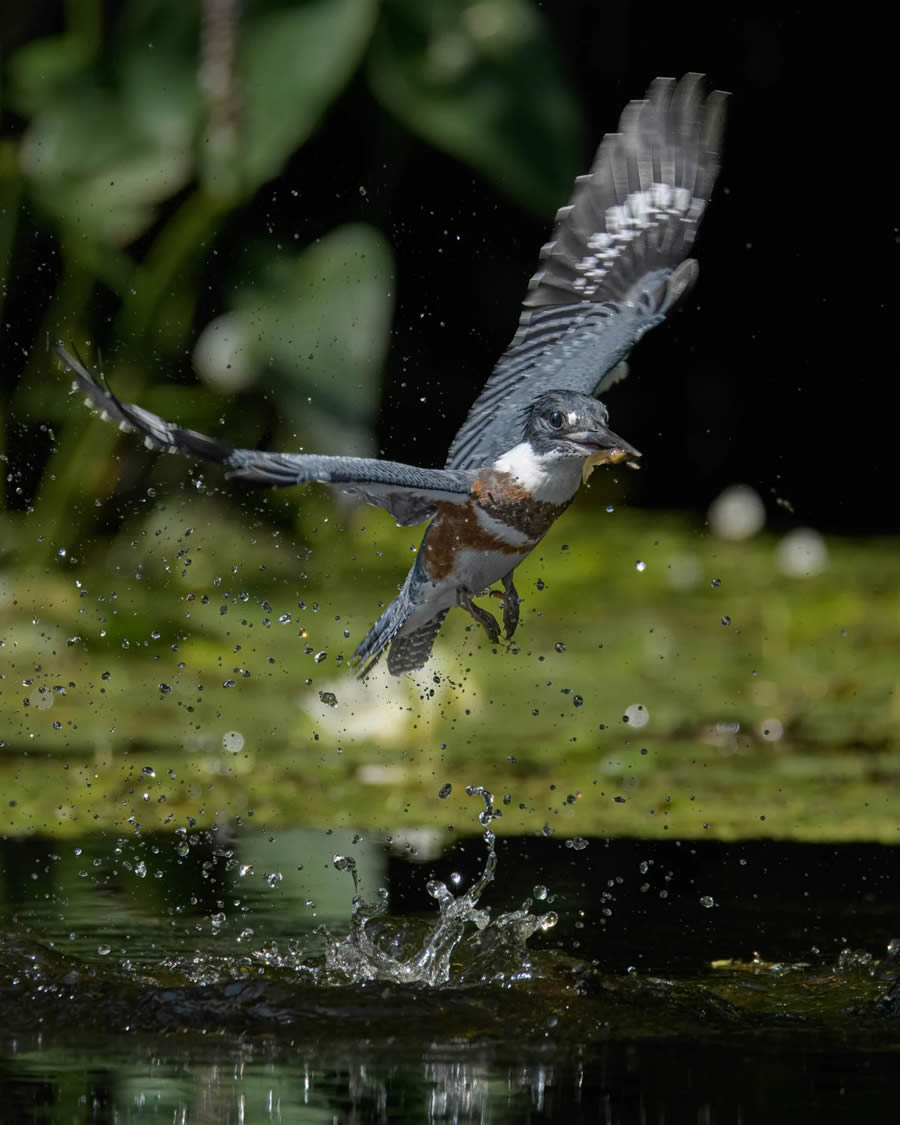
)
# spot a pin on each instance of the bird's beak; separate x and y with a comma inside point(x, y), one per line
point(601, 446)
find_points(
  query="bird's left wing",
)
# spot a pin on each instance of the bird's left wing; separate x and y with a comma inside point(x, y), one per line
point(410, 494)
point(616, 264)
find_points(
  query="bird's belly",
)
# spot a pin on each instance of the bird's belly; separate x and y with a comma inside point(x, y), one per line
point(473, 571)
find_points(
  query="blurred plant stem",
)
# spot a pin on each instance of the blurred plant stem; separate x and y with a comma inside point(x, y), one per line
point(11, 186)
point(179, 247)
point(83, 453)
point(84, 18)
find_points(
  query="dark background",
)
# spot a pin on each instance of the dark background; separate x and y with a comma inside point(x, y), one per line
point(779, 370)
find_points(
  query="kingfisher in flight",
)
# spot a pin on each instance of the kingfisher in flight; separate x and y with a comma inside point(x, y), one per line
point(616, 264)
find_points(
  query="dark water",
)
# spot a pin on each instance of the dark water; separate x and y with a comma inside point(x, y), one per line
point(181, 979)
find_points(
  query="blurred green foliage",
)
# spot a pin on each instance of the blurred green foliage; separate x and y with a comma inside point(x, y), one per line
point(782, 722)
point(478, 80)
point(143, 146)
point(147, 138)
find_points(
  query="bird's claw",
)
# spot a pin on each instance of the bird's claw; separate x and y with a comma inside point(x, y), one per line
point(511, 603)
point(486, 620)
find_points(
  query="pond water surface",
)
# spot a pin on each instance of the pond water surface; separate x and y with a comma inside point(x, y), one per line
point(188, 977)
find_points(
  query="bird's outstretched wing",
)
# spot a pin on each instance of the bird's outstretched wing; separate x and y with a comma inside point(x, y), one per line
point(410, 494)
point(616, 263)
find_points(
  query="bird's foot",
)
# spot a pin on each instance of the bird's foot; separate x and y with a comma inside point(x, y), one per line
point(486, 620)
point(511, 603)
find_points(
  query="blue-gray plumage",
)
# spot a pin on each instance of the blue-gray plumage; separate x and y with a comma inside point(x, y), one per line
point(615, 266)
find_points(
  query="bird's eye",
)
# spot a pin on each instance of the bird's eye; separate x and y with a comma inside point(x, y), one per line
point(555, 419)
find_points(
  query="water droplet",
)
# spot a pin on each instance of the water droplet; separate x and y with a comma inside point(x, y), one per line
point(149, 771)
point(636, 715)
point(726, 620)
point(640, 565)
point(329, 698)
point(104, 950)
point(445, 790)
point(707, 901)
point(560, 646)
point(717, 582)
point(140, 869)
point(578, 701)
point(438, 890)
point(273, 878)
point(320, 656)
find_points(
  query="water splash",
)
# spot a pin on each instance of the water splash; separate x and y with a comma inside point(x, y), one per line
point(395, 953)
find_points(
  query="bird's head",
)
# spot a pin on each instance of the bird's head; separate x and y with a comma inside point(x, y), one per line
point(563, 425)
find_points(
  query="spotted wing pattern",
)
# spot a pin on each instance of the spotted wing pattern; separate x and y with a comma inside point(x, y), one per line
point(617, 262)
point(409, 651)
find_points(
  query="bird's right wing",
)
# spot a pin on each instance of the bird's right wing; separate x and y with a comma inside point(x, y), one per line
point(616, 263)
point(410, 494)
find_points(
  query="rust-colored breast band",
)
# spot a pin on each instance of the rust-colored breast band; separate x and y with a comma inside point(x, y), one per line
point(513, 505)
point(456, 528)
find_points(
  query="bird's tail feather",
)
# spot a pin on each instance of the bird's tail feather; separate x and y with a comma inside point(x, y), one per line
point(409, 652)
point(370, 648)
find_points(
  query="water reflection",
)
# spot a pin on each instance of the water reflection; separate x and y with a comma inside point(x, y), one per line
point(202, 991)
point(617, 1084)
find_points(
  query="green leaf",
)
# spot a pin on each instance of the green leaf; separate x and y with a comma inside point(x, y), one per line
point(319, 321)
point(93, 168)
point(293, 62)
point(481, 81)
point(111, 139)
point(40, 71)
